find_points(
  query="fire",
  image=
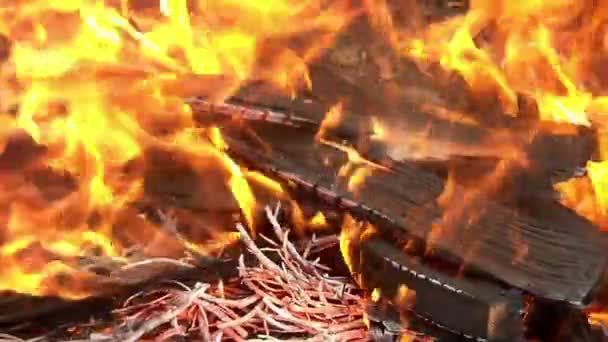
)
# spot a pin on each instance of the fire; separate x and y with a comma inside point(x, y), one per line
point(532, 50)
point(550, 51)
point(405, 296)
point(318, 220)
point(587, 195)
point(357, 168)
point(553, 52)
point(598, 172)
point(376, 295)
point(350, 235)
point(99, 83)
point(333, 118)
point(598, 318)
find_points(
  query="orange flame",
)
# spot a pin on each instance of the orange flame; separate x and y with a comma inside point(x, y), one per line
point(333, 118)
point(99, 83)
point(550, 51)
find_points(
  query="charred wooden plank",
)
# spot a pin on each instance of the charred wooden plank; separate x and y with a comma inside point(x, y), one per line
point(579, 144)
point(267, 96)
point(389, 324)
point(522, 186)
point(473, 310)
point(445, 139)
point(397, 103)
point(172, 178)
point(21, 312)
point(561, 261)
point(557, 322)
point(16, 308)
point(248, 112)
point(403, 119)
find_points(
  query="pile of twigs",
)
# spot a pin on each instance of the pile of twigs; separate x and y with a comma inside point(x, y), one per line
point(293, 298)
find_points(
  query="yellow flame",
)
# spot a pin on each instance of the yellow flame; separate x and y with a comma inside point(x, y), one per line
point(101, 83)
point(350, 232)
point(333, 118)
point(598, 173)
point(550, 51)
point(318, 220)
point(376, 295)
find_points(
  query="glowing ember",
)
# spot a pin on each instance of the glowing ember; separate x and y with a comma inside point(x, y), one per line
point(318, 220)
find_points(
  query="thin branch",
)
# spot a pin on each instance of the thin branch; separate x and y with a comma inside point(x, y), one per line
point(264, 260)
point(163, 318)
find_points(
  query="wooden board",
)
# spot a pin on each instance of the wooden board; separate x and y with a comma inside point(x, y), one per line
point(351, 72)
point(473, 310)
point(444, 139)
point(388, 323)
point(560, 261)
point(109, 289)
point(524, 184)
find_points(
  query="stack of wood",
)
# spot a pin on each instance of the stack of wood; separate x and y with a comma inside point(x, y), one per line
point(485, 258)
point(473, 230)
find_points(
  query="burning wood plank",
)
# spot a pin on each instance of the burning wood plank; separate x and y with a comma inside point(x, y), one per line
point(248, 112)
point(404, 119)
point(474, 310)
point(107, 283)
point(416, 103)
point(535, 143)
point(555, 261)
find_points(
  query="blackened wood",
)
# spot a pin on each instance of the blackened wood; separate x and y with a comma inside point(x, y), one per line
point(389, 323)
point(205, 111)
point(474, 310)
point(556, 261)
point(524, 184)
point(554, 322)
point(20, 151)
point(5, 48)
point(175, 178)
point(539, 142)
point(266, 96)
point(110, 289)
point(399, 103)
point(405, 118)
point(518, 187)
point(23, 312)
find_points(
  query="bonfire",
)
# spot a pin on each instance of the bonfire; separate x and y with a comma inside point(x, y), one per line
point(320, 170)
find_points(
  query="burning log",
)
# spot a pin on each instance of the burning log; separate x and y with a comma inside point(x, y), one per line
point(579, 143)
point(389, 324)
point(562, 261)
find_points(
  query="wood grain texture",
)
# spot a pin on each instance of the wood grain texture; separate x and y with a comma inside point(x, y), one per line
point(474, 310)
point(560, 260)
point(414, 133)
